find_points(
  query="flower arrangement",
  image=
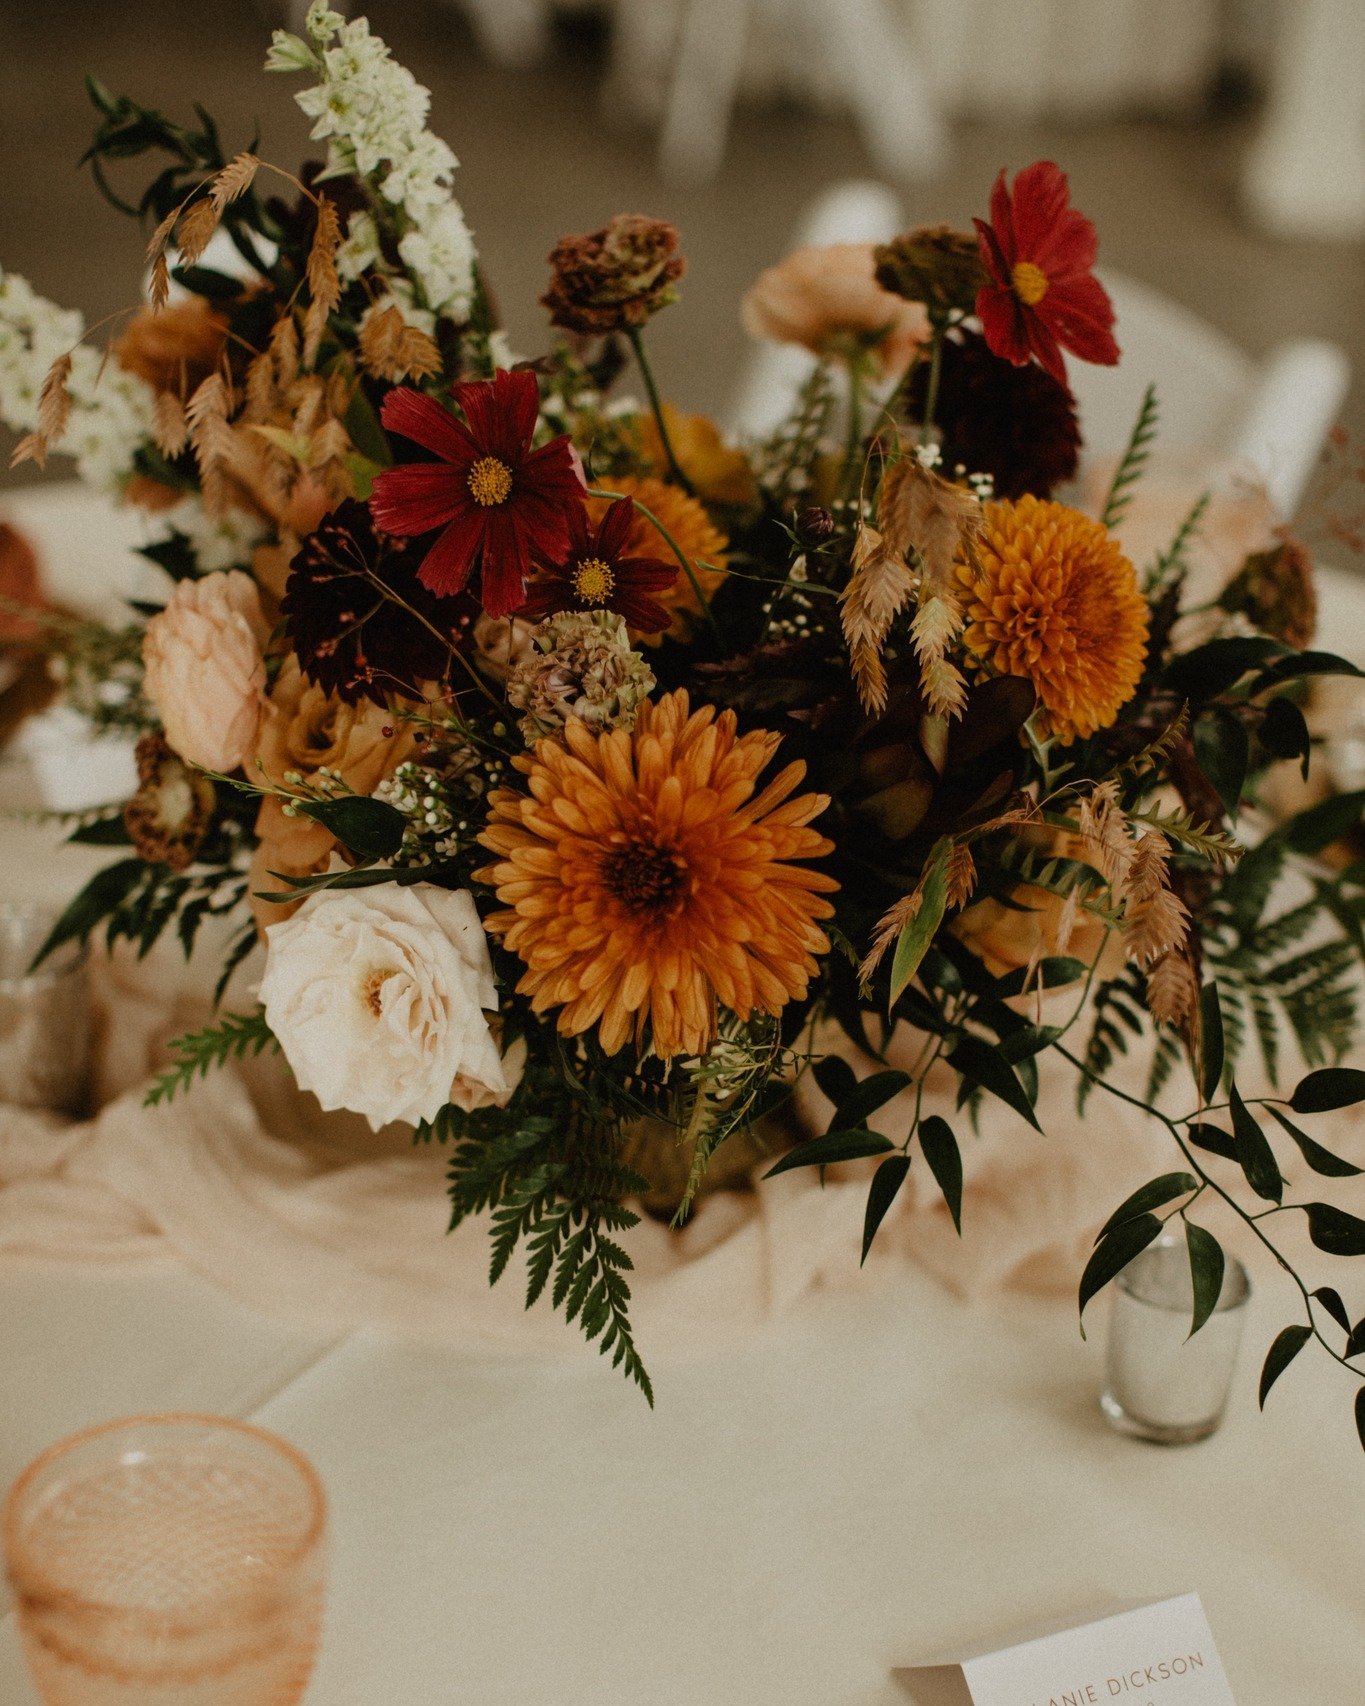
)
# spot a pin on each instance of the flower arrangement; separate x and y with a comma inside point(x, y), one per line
point(578, 768)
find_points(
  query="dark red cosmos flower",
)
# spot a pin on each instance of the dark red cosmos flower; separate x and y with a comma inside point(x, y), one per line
point(594, 575)
point(1042, 296)
point(495, 499)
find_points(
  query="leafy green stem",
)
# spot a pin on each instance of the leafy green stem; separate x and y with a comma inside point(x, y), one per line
point(637, 343)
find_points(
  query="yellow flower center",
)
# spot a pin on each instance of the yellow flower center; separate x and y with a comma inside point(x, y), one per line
point(592, 581)
point(1030, 282)
point(490, 481)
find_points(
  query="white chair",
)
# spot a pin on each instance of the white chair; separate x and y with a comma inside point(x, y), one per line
point(1269, 416)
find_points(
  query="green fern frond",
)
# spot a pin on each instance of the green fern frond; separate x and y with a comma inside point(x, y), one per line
point(1172, 561)
point(1133, 462)
point(234, 1037)
point(1215, 845)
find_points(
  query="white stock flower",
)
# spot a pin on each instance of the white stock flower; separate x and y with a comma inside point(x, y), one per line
point(379, 998)
point(440, 255)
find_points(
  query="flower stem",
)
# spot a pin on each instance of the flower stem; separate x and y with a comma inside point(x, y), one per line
point(931, 389)
point(678, 552)
point(849, 482)
point(656, 404)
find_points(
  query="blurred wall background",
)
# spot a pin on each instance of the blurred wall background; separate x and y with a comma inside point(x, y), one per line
point(1155, 107)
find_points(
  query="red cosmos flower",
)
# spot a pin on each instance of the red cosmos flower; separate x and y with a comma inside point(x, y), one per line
point(1042, 297)
point(593, 574)
point(495, 498)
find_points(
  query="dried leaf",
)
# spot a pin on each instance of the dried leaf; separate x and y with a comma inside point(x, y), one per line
point(234, 180)
point(961, 875)
point(284, 348)
point(391, 349)
point(54, 400)
point(880, 587)
point(170, 430)
point(324, 283)
point(196, 229)
point(1105, 838)
point(1172, 990)
point(920, 511)
point(308, 397)
point(32, 447)
point(937, 623)
point(1154, 919)
point(260, 387)
point(206, 416)
point(889, 927)
point(161, 236)
point(160, 286)
point(1066, 921)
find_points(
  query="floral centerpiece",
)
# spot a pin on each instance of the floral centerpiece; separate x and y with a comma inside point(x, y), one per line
point(582, 771)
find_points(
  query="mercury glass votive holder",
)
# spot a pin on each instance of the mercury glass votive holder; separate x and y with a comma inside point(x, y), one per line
point(45, 1021)
point(172, 1560)
point(1163, 1384)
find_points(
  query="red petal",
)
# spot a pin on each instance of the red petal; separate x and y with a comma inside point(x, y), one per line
point(554, 470)
point(650, 572)
point(1040, 201)
point(1002, 220)
point(504, 565)
point(615, 529)
point(992, 255)
point(1080, 314)
point(544, 598)
point(546, 524)
point(425, 422)
point(416, 497)
point(449, 562)
point(501, 413)
point(641, 613)
point(1002, 322)
point(1044, 346)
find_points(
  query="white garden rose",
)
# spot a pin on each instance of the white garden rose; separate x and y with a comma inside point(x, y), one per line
point(380, 1000)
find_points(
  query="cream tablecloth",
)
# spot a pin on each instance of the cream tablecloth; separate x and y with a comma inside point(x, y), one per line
point(823, 1493)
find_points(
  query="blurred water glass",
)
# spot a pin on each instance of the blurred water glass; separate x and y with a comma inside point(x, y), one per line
point(1162, 1384)
point(168, 1561)
point(44, 1016)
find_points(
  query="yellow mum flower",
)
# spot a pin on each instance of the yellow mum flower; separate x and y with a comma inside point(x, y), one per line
point(1052, 598)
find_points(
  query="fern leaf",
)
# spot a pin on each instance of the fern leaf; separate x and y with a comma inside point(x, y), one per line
point(1133, 462)
point(234, 1037)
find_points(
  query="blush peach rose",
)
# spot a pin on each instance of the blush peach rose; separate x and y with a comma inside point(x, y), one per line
point(204, 668)
point(304, 730)
point(827, 299)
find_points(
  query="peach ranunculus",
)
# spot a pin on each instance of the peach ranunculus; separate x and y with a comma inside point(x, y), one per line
point(305, 730)
point(175, 347)
point(828, 301)
point(205, 670)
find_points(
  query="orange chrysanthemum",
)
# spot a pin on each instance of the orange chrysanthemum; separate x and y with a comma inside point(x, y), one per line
point(693, 531)
point(1051, 597)
point(647, 881)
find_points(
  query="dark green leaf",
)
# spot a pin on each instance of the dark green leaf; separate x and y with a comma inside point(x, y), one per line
point(371, 829)
point(1213, 1139)
point(1206, 1273)
point(1254, 1154)
point(886, 1181)
point(835, 1077)
point(1311, 831)
point(1288, 1343)
point(104, 832)
point(939, 1149)
point(1114, 1252)
point(983, 1065)
point(1319, 1159)
point(1212, 668)
point(1051, 973)
point(1223, 750)
point(918, 931)
point(1284, 733)
point(833, 1146)
point(1360, 1414)
point(1355, 1341)
point(1335, 1231)
point(869, 1094)
point(1331, 1302)
point(1330, 1087)
point(1211, 1030)
point(106, 890)
point(1153, 1195)
point(1294, 666)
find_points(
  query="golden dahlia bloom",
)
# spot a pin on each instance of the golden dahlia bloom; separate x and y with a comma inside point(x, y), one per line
point(1050, 596)
point(719, 472)
point(645, 880)
point(692, 530)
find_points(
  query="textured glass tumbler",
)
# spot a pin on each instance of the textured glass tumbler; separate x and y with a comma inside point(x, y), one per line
point(44, 1017)
point(1162, 1384)
point(168, 1561)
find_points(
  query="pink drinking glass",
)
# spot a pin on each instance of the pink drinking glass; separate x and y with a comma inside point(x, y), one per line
point(170, 1560)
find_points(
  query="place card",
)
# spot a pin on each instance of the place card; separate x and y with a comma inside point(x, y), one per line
point(1160, 1654)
